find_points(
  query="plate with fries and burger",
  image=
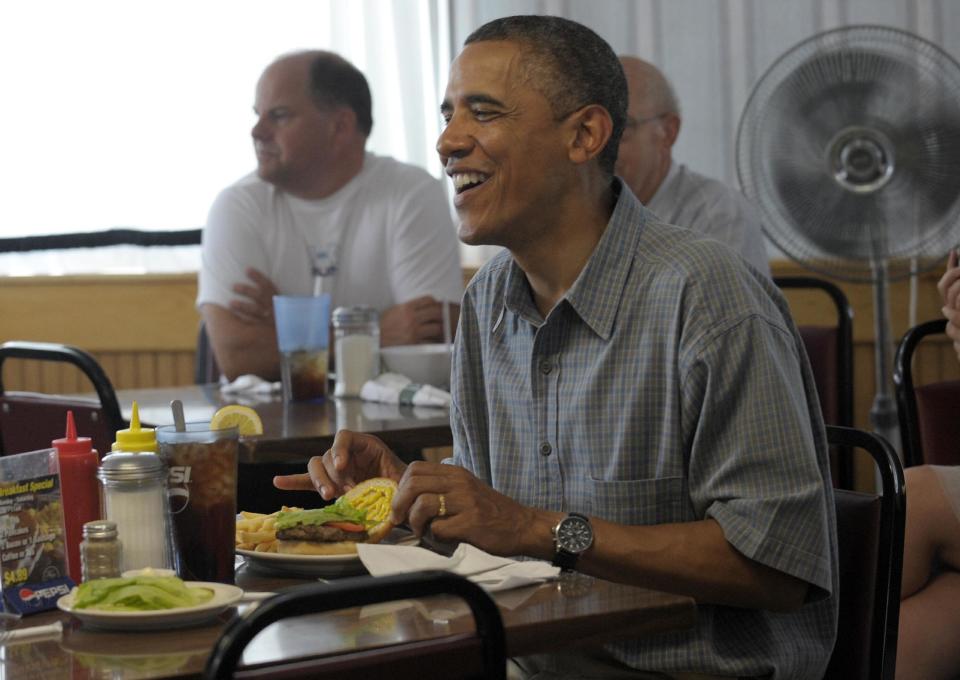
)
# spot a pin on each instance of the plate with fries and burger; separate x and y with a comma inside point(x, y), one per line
point(321, 542)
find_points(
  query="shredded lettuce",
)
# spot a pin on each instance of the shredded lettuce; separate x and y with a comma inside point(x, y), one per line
point(140, 593)
point(339, 511)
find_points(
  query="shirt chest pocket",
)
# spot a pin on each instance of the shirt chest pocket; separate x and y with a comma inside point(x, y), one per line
point(640, 501)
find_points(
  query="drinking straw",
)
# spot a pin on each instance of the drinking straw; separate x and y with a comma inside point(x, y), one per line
point(178, 420)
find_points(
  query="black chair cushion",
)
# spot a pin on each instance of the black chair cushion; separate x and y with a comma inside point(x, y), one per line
point(938, 415)
point(858, 536)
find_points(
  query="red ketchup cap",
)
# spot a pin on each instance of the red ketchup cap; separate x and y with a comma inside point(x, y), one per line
point(71, 443)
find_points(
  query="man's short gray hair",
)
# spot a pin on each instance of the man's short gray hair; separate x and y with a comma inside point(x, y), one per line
point(572, 67)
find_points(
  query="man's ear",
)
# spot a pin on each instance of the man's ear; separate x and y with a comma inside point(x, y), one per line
point(591, 128)
point(671, 127)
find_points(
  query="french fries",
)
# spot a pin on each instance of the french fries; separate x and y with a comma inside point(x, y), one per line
point(257, 531)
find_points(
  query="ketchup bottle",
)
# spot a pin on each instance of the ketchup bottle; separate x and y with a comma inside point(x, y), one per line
point(79, 490)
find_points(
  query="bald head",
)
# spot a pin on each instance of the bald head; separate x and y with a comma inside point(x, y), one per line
point(647, 84)
point(653, 123)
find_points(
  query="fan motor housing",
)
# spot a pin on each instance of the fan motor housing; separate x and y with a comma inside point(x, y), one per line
point(860, 159)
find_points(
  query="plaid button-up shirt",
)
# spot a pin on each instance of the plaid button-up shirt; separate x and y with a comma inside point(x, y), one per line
point(668, 385)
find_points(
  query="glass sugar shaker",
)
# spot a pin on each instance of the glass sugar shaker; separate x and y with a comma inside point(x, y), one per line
point(101, 554)
point(356, 348)
point(135, 497)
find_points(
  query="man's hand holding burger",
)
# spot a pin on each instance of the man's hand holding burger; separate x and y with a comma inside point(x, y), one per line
point(353, 458)
point(470, 510)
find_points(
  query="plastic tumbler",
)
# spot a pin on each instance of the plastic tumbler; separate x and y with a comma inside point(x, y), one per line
point(202, 488)
point(303, 332)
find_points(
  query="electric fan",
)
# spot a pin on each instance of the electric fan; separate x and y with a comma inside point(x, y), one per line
point(849, 146)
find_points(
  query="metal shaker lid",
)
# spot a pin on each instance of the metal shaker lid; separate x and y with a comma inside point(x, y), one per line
point(100, 528)
point(353, 315)
point(131, 467)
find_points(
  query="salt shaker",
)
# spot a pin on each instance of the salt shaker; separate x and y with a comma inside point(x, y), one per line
point(356, 348)
point(135, 497)
point(101, 552)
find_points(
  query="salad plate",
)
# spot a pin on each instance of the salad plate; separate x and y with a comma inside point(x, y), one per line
point(314, 566)
point(224, 596)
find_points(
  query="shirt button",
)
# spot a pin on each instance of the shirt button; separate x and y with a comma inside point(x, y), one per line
point(545, 366)
point(545, 449)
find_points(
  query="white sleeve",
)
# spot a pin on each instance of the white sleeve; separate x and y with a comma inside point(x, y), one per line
point(232, 242)
point(425, 250)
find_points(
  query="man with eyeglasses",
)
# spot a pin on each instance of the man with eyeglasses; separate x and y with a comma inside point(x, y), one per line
point(676, 194)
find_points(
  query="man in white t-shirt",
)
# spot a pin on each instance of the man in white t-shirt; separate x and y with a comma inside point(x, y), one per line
point(323, 214)
point(676, 194)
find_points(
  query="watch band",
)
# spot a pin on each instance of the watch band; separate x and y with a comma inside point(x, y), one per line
point(565, 560)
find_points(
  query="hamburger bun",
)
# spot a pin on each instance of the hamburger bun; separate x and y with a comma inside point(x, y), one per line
point(317, 547)
point(374, 496)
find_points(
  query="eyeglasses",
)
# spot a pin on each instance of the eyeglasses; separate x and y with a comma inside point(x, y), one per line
point(633, 123)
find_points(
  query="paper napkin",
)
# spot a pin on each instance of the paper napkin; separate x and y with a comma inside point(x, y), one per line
point(488, 571)
point(250, 384)
point(393, 388)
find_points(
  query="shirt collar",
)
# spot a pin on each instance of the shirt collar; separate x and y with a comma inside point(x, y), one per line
point(663, 191)
point(596, 293)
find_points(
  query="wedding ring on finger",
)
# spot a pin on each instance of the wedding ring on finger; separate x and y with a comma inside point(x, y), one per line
point(443, 506)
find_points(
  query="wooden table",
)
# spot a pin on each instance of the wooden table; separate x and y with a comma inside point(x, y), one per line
point(573, 611)
point(294, 432)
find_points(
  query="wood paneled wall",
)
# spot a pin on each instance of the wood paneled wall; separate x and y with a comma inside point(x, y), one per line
point(143, 329)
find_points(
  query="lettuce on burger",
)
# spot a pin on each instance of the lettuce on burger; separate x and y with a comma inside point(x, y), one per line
point(359, 516)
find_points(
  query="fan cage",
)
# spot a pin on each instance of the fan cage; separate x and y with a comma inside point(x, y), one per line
point(908, 223)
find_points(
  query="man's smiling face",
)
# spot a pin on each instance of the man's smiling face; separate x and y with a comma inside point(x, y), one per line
point(503, 146)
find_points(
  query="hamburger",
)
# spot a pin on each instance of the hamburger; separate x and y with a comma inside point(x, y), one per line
point(359, 516)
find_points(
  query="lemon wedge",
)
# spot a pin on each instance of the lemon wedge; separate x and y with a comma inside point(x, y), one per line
point(244, 418)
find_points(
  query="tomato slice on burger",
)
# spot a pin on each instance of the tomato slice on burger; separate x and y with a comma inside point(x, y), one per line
point(346, 526)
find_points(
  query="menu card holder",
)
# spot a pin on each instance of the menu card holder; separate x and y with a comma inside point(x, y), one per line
point(33, 555)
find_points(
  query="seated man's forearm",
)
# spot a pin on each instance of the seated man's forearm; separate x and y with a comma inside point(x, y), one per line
point(240, 346)
point(692, 558)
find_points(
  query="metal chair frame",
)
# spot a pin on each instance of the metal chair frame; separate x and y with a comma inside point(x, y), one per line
point(844, 366)
point(886, 598)
point(46, 351)
point(364, 590)
point(905, 388)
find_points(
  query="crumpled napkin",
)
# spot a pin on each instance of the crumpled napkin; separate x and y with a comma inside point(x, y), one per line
point(250, 384)
point(490, 572)
point(393, 388)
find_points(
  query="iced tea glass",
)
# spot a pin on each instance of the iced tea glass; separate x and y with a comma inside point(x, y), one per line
point(202, 487)
point(303, 334)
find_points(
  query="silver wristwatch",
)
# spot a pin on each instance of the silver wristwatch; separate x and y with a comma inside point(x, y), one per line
point(571, 537)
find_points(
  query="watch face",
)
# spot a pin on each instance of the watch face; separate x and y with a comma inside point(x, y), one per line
point(574, 534)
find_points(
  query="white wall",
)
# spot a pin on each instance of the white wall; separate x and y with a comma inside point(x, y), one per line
point(715, 51)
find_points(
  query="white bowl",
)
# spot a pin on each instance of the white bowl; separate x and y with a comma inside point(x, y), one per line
point(425, 364)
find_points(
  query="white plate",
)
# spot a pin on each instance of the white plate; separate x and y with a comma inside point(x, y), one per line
point(318, 565)
point(223, 597)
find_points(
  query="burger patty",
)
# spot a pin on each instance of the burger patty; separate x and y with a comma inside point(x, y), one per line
point(320, 533)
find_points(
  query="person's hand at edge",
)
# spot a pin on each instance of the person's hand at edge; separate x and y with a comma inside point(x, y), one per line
point(353, 458)
point(415, 321)
point(949, 288)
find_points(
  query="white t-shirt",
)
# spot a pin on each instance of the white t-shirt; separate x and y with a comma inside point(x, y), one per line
point(688, 199)
point(390, 228)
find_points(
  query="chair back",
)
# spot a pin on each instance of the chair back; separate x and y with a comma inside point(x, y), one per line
point(396, 662)
point(830, 350)
point(30, 421)
point(870, 548)
point(929, 414)
point(205, 368)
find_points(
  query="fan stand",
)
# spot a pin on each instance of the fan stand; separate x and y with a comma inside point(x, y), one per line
point(883, 413)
